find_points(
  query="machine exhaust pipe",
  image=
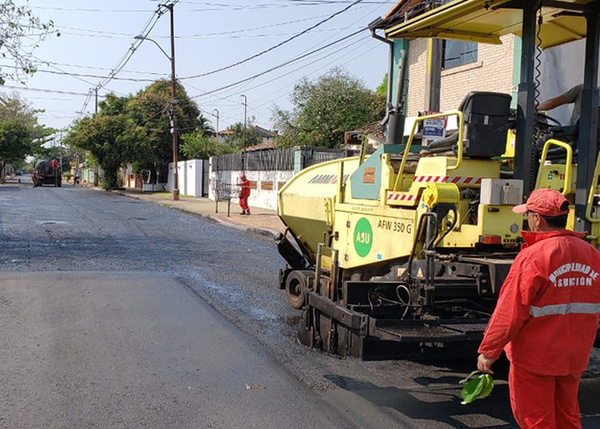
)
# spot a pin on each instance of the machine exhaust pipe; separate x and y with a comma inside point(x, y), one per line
point(394, 119)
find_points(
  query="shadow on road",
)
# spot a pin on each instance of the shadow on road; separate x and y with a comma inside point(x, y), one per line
point(434, 401)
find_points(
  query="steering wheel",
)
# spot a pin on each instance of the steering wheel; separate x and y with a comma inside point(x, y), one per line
point(542, 120)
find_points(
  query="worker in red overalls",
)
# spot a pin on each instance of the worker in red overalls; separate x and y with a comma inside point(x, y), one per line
point(546, 317)
point(244, 194)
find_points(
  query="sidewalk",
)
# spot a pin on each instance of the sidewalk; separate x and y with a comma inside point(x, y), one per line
point(262, 221)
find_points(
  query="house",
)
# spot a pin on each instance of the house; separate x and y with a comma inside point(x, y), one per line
point(261, 146)
point(470, 66)
point(374, 133)
point(264, 134)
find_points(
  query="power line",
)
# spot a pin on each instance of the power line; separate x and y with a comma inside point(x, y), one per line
point(65, 9)
point(279, 66)
point(338, 52)
point(355, 45)
point(77, 75)
point(278, 5)
point(325, 55)
point(190, 36)
point(50, 91)
point(279, 44)
point(245, 88)
point(50, 63)
point(125, 59)
point(116, 73)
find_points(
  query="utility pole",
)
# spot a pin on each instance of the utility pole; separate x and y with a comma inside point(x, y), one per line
point(245, 131)
point(217, 116)
point(172, 110)
point(96, 182)
point(61, 152)
point(174, 130)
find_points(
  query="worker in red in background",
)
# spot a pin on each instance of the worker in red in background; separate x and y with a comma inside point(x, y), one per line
point(546, 317)
point(54, 163)
point(244, 194)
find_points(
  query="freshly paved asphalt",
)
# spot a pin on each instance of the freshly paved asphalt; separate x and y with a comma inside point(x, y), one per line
point(261, 220)
point(123, 350)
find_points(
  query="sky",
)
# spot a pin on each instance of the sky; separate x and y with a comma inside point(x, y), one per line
point(225, 52)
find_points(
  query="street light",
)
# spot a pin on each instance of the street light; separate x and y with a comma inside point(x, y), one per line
point(244, 149)
point(173, 100)
point(217, 116)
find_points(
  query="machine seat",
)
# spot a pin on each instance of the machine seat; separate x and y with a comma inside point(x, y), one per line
point(487, 120)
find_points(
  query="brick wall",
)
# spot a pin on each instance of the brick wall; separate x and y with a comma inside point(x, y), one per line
point(492, 72)
point(417, 71)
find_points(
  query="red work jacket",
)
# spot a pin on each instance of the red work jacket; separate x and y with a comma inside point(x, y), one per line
point(245, 191)
point(546, 317)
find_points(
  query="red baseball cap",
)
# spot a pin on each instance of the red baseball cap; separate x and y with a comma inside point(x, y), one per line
point(546, 202)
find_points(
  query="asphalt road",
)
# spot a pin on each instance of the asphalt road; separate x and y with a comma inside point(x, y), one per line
point(86, 350)
point(120, 313)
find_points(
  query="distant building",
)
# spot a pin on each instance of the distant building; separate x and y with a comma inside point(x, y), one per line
point(261, 146)
point(265, 135)
point(373, 133)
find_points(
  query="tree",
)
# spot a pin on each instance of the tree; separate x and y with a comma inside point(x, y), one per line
point(205, 126)
point(150, 109)
point(383, 87)
point(110, 136)
point(198, 145)
point(17, 25)
point(20, 133)
point(15, 142)
point(325, 109)
point(237, 139)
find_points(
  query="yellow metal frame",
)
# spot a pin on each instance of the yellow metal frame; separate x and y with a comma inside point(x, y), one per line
point(568, 164)
point(588, 210)
point(400, 176)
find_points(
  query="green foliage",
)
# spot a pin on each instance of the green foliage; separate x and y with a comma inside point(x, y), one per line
point(110, 136)
point(20, 133)
point(325, 109)
point(237, 140)
point(15, 141)
point(137, 130)
point(17, 25)
point(150, 109)
point(198, 145)
point(383, 87)
point(205, 126)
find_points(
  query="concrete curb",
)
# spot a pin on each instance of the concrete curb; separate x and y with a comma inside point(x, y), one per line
point(266, 232)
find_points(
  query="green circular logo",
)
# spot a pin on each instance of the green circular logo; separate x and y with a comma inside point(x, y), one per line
point(363, 237)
